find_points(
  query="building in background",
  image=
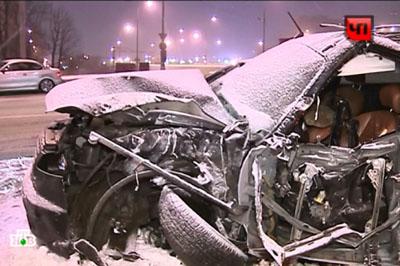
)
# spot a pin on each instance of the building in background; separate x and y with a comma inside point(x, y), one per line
point(12, 29)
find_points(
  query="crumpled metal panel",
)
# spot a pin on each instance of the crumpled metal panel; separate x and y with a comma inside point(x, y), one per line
point(109, 93)
point(271, 82)
point(387, 43)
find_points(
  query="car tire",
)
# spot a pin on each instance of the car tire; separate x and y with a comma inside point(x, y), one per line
point(194, 241)
point(46, 85)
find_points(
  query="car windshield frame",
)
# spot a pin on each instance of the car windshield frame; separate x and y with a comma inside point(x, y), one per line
point(270, 85)
point(2, 64)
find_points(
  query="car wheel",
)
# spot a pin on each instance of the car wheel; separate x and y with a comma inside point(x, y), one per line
point(192, 238)
point(46, 85)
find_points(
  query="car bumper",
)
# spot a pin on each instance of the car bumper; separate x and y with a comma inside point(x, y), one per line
point(58, 81)
point(45, 204)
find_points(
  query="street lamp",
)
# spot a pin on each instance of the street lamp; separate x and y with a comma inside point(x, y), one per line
point(112, 56)
point(149, 3)
point(30, 41)
point(196, 35)
point(218, 42)
point(137, 60)
point(163, 35)
point(128, 28)
point(214, 19)
point(114, 48)
point(263, 21)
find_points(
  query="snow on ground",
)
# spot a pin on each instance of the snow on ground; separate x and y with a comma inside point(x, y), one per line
point(13, 218)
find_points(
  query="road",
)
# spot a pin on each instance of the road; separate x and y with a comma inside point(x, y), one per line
point(22, 119)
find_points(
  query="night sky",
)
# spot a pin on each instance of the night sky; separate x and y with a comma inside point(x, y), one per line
point(100, 24)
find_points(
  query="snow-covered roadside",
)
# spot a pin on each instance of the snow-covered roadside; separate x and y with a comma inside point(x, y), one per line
point(13, 218)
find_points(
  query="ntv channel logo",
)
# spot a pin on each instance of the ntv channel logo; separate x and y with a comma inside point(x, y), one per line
point(23, 238)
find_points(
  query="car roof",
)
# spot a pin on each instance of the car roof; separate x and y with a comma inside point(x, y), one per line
point(20, 61)
point(390, 31)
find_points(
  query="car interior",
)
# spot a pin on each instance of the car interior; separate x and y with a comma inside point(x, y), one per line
point(361, 104)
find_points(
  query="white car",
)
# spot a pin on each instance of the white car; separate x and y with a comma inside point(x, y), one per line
point(24, 74)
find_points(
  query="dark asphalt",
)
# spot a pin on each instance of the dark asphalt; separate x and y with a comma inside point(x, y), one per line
point(22, 119)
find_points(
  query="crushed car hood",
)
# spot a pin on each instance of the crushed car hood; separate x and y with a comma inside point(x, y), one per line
point(112, 92)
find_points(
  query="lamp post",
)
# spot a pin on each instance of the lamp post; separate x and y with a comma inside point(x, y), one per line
point(263, 20)
point(22, 28)
point(137, 60)
point(113, 56)
point(163, 35)
point(129, 28)
point(31, 46)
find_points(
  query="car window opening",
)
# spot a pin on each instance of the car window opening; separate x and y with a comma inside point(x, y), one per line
point(356, 107)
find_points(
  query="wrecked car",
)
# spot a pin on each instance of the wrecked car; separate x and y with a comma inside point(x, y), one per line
point(291, 155)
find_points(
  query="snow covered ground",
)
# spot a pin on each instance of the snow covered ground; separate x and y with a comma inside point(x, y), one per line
point(13, 218)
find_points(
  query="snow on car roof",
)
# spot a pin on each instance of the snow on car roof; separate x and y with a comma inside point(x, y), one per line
point(271, 82)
